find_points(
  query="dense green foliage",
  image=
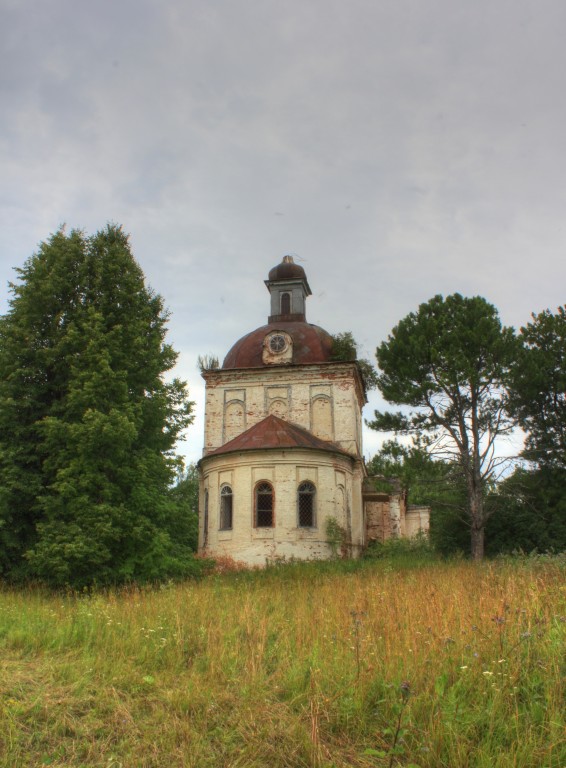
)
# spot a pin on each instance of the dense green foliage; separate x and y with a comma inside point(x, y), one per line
point(87, 421)
point(185, 495)
point(529, 512)
point(538, 388)
point(448, 362)
point(345, 347)
point(434, 483)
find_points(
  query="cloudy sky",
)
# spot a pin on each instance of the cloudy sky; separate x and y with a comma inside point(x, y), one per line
point(399, 148)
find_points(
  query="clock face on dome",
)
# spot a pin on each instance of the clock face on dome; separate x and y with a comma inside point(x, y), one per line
point(277, 348)
point(277, 343)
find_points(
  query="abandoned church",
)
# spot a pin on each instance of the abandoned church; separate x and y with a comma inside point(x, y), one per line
point(283, 445)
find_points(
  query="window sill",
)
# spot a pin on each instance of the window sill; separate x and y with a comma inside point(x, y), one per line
point(305, 532)
point(263, 533)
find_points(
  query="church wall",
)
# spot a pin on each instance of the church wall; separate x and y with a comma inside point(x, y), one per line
point(337, 492)
point(417, 520)
point(323, 399)
point(358, 512)
point(378, 521)
point(385, 516)
point(388, 517)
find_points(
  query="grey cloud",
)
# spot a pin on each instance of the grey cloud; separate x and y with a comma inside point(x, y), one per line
point(413, 148)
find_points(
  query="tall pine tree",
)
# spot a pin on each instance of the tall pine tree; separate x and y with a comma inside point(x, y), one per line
point(449, 362)
point(87, 421)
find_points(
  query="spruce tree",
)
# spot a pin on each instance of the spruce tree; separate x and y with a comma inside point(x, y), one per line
point(88, 422)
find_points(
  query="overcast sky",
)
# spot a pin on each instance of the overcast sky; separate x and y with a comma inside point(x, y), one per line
point(399, 148)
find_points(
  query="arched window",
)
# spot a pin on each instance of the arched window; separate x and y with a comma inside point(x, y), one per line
point(205, 521)
point(264, 505)
point(305, 505)
point(285, 303)
point(226, 501)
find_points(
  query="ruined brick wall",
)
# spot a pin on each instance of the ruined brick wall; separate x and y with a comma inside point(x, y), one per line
point(385, 513)
point(417, 520)
point(377, 520)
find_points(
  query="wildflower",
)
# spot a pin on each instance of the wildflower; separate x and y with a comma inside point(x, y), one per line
point(487, 673)
point(405, 690)
point(464, 667)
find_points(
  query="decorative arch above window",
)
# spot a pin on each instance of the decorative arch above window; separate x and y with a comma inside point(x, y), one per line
point(226, 508)
point(306, 497)
point(263, 513)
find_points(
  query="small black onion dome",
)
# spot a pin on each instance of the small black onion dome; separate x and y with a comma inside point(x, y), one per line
point(287, 270)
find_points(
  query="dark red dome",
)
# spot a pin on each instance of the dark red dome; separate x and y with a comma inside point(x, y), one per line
point(287, 270)
point(311, 344)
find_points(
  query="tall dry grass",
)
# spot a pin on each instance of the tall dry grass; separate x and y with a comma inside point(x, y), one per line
point(450, 664)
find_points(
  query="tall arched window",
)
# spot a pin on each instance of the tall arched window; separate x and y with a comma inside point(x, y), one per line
point(285, 303)
point(305, 505)
point(264, 505)
point(226, 500)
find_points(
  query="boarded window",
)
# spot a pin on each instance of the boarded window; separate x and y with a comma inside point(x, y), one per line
point(305, 505)
point(322, 418)
point(233, 420)
point(278, 408)
point(285, 303)
point(340, 504)
point(226, 504)
point(264, 505)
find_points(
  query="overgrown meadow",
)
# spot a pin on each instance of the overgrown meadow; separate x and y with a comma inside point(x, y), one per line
point(376, 663)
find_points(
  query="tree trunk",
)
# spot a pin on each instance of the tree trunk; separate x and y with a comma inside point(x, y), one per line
point(477, 522)
point(477, 542)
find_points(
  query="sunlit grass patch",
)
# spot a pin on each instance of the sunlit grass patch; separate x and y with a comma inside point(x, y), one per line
point(367, 664)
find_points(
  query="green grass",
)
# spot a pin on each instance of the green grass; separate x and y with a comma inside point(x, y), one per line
point(299, 665)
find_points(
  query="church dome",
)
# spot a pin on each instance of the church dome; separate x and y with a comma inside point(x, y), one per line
point(287, 338)
point(310, 344)
point(287, 270)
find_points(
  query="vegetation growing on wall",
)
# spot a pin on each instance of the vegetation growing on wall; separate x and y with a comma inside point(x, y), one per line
point(345, 348)
point(207, 363)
